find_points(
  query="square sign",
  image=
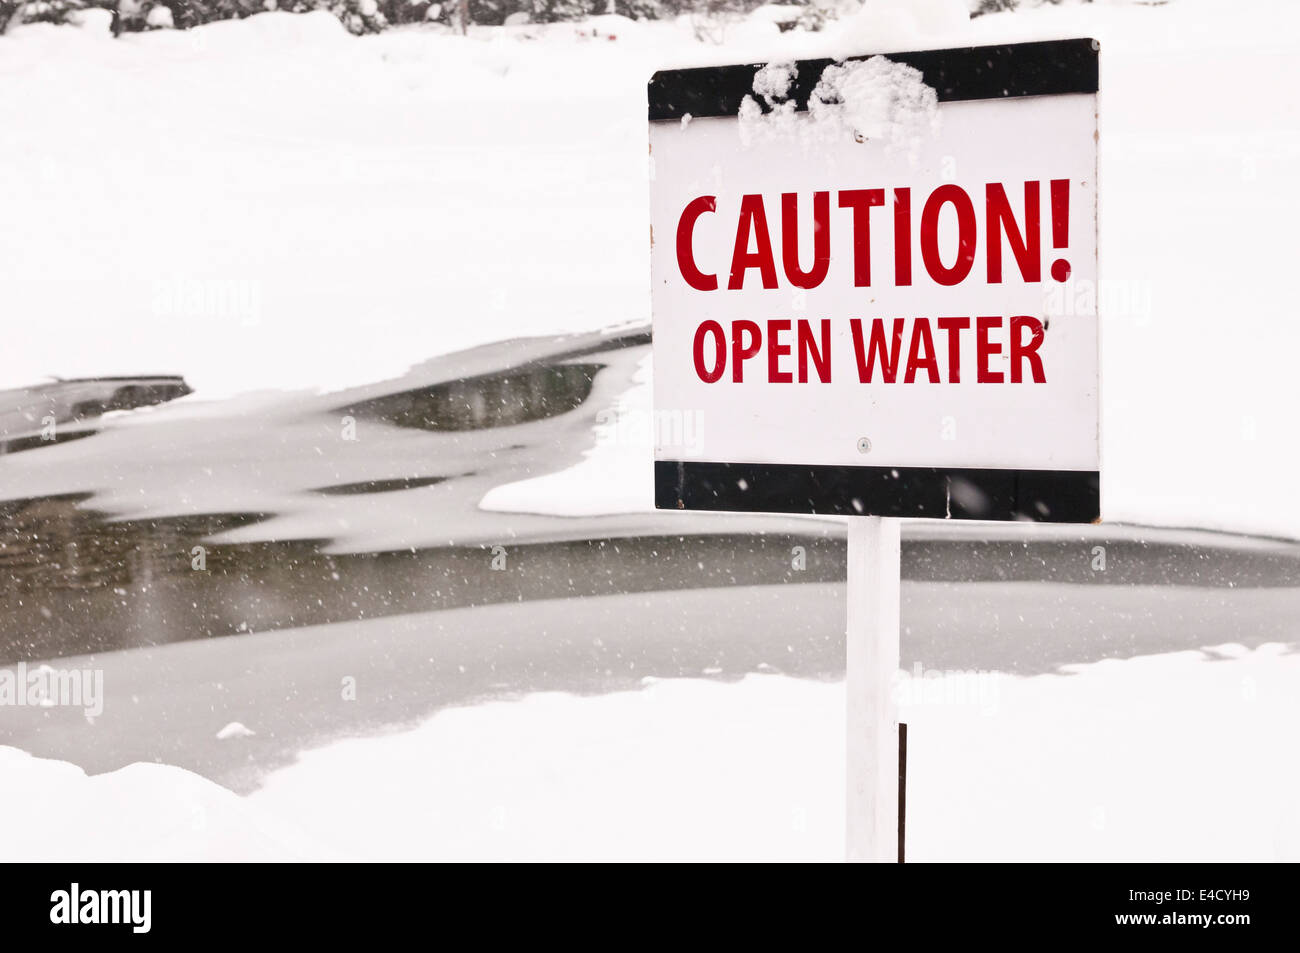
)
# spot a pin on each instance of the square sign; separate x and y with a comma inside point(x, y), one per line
point(874, 285)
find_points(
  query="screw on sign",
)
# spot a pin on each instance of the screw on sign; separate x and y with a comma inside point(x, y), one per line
point(926, 210)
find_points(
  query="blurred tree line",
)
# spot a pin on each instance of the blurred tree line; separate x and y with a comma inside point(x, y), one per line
point(368, 16)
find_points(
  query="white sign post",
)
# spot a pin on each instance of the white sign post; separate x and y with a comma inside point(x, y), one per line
point(874, 287)
point(871, 659)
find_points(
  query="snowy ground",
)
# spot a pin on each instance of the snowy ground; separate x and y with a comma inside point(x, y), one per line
point(1001, 768)
point(1089, 764)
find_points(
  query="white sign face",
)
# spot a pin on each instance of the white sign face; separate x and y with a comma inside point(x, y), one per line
point(872, 295)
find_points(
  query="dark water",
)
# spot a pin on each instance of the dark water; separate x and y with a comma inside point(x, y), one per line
point(73, 581)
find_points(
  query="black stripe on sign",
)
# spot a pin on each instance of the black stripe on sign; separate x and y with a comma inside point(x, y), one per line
point(1048, 496)
point(976, 72)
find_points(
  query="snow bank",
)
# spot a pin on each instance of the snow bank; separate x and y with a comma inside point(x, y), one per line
point(1090, 764)
point(142, 813)
point(377, 200)
point(613, 476)
point(1087, 765)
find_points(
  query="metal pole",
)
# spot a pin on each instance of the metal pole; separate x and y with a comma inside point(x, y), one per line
point(902, 793)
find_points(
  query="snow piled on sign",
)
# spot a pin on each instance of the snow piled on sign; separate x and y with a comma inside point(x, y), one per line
point(869, 100)
point(772, 85)
point(876, 99)
point(772, 81)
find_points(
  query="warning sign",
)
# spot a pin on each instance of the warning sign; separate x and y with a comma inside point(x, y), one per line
point(862, 273)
